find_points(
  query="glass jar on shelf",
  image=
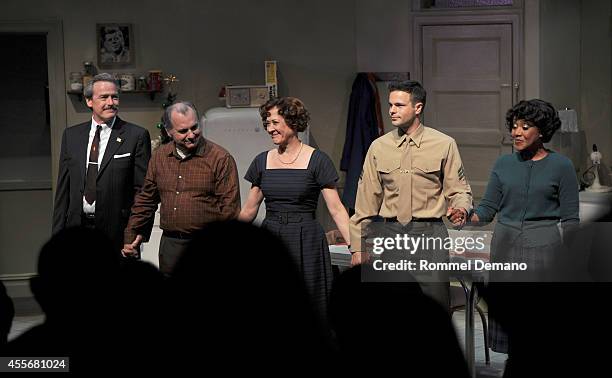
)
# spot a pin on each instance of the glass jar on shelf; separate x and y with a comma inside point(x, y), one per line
point(127, 82)
point(141, 84)
point(89, 73)
point(76, 81)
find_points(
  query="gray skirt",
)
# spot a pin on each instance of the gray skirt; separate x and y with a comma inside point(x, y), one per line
point(535, 244)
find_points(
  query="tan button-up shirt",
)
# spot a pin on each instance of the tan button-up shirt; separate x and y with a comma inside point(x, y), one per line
point(409, 176)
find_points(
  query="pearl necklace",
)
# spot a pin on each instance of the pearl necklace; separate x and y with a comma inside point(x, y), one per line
point(294, 159)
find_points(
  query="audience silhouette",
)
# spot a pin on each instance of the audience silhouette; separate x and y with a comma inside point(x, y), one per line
point(552, 327)
point(93, 305)
point(236, 302)
point(393, 327)
point(236, 294)
point(7, 312)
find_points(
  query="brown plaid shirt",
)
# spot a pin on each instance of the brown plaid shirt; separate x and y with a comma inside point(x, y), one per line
point(199, 189)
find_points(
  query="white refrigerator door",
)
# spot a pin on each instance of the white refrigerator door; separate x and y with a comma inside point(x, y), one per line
point(241, 132)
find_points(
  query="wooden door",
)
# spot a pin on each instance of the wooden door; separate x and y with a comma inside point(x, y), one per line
point(467, 72)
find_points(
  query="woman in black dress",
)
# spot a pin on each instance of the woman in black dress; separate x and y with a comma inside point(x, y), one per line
point(290, 178)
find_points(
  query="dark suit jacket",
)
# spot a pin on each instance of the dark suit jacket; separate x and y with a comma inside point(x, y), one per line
point(119, 178)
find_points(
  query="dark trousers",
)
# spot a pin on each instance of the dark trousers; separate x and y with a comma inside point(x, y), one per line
point(435, 284)
point(88, 221)
point(170, 251)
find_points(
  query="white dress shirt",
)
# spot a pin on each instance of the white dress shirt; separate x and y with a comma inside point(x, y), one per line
point(104, 137)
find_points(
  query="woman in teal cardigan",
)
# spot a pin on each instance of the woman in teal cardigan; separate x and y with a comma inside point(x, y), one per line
point(531, 191)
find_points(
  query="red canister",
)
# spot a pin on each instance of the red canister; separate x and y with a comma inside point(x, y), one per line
point(155, 80)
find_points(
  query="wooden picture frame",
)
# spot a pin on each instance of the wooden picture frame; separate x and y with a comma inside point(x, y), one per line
point(115, 45)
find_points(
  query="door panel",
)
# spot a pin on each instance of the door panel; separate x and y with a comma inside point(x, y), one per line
point(467, 71)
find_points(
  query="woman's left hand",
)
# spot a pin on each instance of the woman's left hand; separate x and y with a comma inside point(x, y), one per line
point(356, 258)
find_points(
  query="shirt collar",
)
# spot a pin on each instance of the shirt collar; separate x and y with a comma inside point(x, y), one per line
point(198, 152)
point(416, 136)
point(109, 125)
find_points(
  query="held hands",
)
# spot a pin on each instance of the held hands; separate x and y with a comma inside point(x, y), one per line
point(356, 258)
point(131, 250)
point(457, 216)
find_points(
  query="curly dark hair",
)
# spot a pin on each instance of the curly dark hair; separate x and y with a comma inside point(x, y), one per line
point(291, 109)
point(541, 114)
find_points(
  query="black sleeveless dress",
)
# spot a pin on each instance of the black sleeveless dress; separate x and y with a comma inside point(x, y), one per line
point(291, 197)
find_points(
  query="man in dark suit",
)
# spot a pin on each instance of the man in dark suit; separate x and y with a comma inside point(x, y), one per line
point(102, 166)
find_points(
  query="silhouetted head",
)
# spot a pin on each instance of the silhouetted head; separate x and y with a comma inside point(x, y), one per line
point(7, 312)
point(77, 269)
point(395, 324)
point(236, 289)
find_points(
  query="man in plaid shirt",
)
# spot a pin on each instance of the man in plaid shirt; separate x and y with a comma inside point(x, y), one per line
point(196, 182)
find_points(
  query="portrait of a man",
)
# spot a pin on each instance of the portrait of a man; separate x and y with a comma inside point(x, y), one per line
point(114, 45)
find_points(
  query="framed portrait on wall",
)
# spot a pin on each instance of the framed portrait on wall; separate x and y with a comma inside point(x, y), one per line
point(115, 45)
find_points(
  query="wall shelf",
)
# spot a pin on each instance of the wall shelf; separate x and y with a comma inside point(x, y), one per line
point(150, 93)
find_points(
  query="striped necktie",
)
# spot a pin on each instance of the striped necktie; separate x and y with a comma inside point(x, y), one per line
point(92, 168)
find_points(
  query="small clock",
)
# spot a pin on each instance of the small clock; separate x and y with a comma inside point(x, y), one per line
point(238, 96)
point(259, 95)
point(245, 96)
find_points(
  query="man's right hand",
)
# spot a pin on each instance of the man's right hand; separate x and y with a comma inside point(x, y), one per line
point(457, 216)
point(131, 250)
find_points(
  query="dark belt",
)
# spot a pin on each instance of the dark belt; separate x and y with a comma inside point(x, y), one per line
point(88, 220)
point(178, 235)
point(284, 217)
point(394, 219)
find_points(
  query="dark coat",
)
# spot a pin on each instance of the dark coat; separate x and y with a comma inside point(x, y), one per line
point(120, 177)
point(361, 130)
